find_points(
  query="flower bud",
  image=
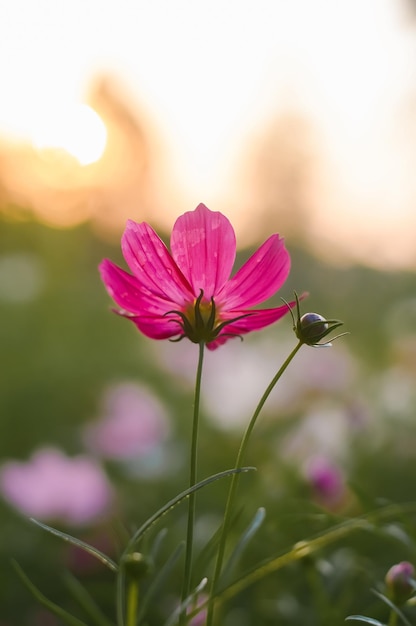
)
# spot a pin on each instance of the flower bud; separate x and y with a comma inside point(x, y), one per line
point(313, 326)
point(136, 565)
point(399, 581)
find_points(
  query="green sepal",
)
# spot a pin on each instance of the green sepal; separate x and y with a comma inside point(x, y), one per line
point(201, 329)
point(305, 337)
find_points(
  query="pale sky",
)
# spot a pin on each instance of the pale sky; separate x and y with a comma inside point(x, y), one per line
point(211, 74)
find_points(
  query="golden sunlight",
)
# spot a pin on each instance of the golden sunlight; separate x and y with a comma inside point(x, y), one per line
point(309, 129)
point(76, 129)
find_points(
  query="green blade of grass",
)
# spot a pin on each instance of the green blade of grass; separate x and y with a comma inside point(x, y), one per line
point(66, 617)
point(86, 601)
point(250, 531)
point(363, 618)
point(159, 580)
point(177, 500)
point(79, 544)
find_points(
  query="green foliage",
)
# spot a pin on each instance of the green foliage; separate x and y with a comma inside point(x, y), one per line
point(62, 347)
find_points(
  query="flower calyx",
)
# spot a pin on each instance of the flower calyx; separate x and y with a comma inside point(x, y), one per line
point(312, 328)
point(200, 321)
point(136, 565)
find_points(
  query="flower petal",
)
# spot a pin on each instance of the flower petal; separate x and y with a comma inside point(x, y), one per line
point(121, 286)
point(130, 295)
point(254, 320)
point(203, 245)
point(155, 327)
point(152, 264)
point(259, 278)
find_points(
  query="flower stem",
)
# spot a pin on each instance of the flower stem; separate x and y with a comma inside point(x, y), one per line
point(192, 481)
point(392, 619)
point(235, 478)
point(132, 602)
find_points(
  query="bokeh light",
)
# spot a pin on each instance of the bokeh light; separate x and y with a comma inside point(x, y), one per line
point(78, 130)
point(293, 115)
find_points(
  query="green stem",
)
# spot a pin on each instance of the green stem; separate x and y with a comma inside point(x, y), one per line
point(235, 479)
point(192, 481)
point(392, 619)
point(132, 602)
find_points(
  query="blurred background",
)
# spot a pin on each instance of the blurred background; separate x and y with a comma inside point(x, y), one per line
point(297, 118)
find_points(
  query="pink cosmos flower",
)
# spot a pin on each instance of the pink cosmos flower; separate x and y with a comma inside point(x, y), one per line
point(188, 292)
point(53, 486)
point(327, 481)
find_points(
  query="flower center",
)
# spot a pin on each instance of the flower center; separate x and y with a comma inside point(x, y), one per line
point(201, 314)
point(200, 321)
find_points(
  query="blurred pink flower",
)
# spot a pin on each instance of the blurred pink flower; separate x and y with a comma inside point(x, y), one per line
point(400, 582)
point(53, 486)
point(326, 480)
point(134, 422)
point(200, 618)
point(188, 292)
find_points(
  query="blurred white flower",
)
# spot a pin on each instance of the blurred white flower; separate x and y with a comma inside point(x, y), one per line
point(177, 359)
point(133, 423)
point(233, 384)
point(325, 430)
point(396, 392)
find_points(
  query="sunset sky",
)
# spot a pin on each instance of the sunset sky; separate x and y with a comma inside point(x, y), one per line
point(212, 76)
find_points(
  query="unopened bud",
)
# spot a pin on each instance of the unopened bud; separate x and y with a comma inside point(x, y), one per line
point(400, 583)
point(136, 565)
point(313, 327)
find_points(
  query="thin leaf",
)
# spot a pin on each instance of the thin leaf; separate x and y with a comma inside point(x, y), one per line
point(86, 601)
point(69, 619)
point(177, 499)
point(158, 581)
point(157, 543)
point(305, 548)
point(299, 551)
point(120, 595)
point(79, 544)
point(144, 528)
point(187, 603)
point(362, 618)
point(243, 541)
point(392, 606)
point(209, 550)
